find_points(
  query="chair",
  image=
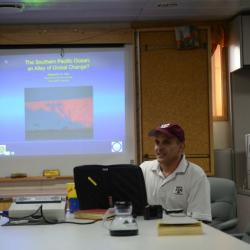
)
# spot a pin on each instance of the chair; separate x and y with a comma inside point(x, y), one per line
point(223, 203)
point(244, 236)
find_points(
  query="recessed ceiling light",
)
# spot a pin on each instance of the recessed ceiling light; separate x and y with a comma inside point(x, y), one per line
point(8, 8)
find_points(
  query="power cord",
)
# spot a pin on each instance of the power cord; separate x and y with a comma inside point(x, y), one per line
point(38, 218)
point(33, 218)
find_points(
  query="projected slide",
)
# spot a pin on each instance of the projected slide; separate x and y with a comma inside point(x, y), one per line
point(58, 113)
point(69, 101)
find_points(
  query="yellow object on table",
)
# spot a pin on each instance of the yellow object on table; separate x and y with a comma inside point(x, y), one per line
point(72, 197)
point(71, 191)
point(51, 172)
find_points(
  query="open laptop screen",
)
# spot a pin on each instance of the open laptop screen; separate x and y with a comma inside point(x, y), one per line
point(100, 186)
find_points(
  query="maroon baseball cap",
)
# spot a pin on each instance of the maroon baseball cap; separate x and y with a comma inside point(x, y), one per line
point(170, 130)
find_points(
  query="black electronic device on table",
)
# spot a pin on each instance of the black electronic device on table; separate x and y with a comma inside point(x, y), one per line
point(100, 186)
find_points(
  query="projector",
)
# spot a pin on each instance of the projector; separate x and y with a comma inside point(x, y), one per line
point(53, 208)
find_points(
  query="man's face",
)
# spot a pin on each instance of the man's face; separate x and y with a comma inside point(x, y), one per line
point(168, 150)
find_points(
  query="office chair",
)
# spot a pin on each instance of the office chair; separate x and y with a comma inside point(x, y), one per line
point(223, 203)
point(244, 236)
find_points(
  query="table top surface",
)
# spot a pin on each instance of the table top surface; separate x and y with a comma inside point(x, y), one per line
point(96, 237)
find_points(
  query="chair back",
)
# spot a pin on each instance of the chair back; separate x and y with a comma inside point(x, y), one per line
point(223, 203)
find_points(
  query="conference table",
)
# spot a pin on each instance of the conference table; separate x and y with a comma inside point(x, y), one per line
point(97, 237)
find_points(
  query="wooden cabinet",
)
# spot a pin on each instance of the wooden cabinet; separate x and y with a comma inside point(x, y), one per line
point(175, 88)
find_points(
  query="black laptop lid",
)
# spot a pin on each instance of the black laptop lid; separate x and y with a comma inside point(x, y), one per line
point(100, 186)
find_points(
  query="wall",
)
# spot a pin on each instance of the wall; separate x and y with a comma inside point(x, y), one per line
point(243, 205)
point(240, 94)
point(175, 86)
point(223, 155)
point(221, 134)
point(224, 168)
point(66, 34)
point(222, 149)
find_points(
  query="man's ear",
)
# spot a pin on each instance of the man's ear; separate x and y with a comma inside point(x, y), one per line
point(182, 146)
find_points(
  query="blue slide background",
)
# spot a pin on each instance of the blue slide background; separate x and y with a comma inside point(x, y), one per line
point(105, 74)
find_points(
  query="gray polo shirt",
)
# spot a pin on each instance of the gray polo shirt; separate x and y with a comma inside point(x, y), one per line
point(186, 188)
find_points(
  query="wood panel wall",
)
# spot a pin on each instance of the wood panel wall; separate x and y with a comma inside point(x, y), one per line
point(175, 88)
point(66, 34)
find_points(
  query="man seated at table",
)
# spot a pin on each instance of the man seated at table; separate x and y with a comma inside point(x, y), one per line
point(172, 181)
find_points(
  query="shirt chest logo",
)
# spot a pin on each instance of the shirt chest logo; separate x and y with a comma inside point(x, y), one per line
point(178, 190)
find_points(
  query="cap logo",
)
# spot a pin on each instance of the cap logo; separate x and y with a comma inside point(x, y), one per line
point(165, 125)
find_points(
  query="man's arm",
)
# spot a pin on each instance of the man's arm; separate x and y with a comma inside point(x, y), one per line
point(199, 204)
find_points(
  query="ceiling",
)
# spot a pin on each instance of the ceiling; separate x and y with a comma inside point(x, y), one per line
point(88, 11)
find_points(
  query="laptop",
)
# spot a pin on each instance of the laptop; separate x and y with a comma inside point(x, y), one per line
point(100, 186)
